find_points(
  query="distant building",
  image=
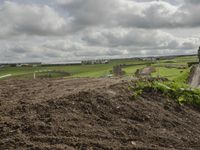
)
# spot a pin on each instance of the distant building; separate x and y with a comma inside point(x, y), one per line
point(150, 58)
point(99, 61)
point(29, 64)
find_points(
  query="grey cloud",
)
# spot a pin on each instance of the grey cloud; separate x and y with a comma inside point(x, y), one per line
point(193, 1)
point(188, 45)
point(19, 19)
point(126, 13)
point(136, 38)
point(87, 13)
point(84, 29)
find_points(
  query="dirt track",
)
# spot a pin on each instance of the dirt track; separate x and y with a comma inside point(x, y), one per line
point(194, 78)
point(91, 114)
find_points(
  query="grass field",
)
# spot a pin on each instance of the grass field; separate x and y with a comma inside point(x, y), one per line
point(101, 70)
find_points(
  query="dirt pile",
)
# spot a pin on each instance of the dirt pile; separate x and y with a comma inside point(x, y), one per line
point(147, 71)
point(93, 114)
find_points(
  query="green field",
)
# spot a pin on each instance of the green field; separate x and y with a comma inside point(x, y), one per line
point(173, 72)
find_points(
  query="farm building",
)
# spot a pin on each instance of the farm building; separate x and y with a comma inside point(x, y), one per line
point(150, 58)
point(99, 61)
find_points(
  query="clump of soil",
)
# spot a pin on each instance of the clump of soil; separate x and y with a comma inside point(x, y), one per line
point(147, 71)
point(92, 114)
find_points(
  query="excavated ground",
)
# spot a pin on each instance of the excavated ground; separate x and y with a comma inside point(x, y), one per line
point(92, 114)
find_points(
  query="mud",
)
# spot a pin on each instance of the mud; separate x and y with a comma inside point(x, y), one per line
point(92, 114)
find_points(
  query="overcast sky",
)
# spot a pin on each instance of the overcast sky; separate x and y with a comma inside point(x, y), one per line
point(65, 30)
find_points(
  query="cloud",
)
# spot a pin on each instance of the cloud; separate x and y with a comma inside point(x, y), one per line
point(19, 19)
point(126, 13)
point(87, 13)
point(192, 2)
point(61, 30)
point(138, 38)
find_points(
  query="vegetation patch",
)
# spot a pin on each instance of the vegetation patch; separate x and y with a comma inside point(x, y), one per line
point(183, 94)
point(53, 74)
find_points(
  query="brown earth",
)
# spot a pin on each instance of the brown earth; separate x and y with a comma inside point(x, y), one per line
point(92, 114)
point(147, 71)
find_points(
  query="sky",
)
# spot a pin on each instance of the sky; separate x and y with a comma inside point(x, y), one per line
point(70, 30)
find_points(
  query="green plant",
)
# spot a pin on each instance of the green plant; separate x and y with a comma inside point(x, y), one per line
point(183, 94)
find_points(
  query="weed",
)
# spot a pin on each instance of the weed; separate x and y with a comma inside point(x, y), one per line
point(183, 94)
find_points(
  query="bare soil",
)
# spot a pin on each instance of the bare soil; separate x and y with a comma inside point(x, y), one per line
point(92, 114)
